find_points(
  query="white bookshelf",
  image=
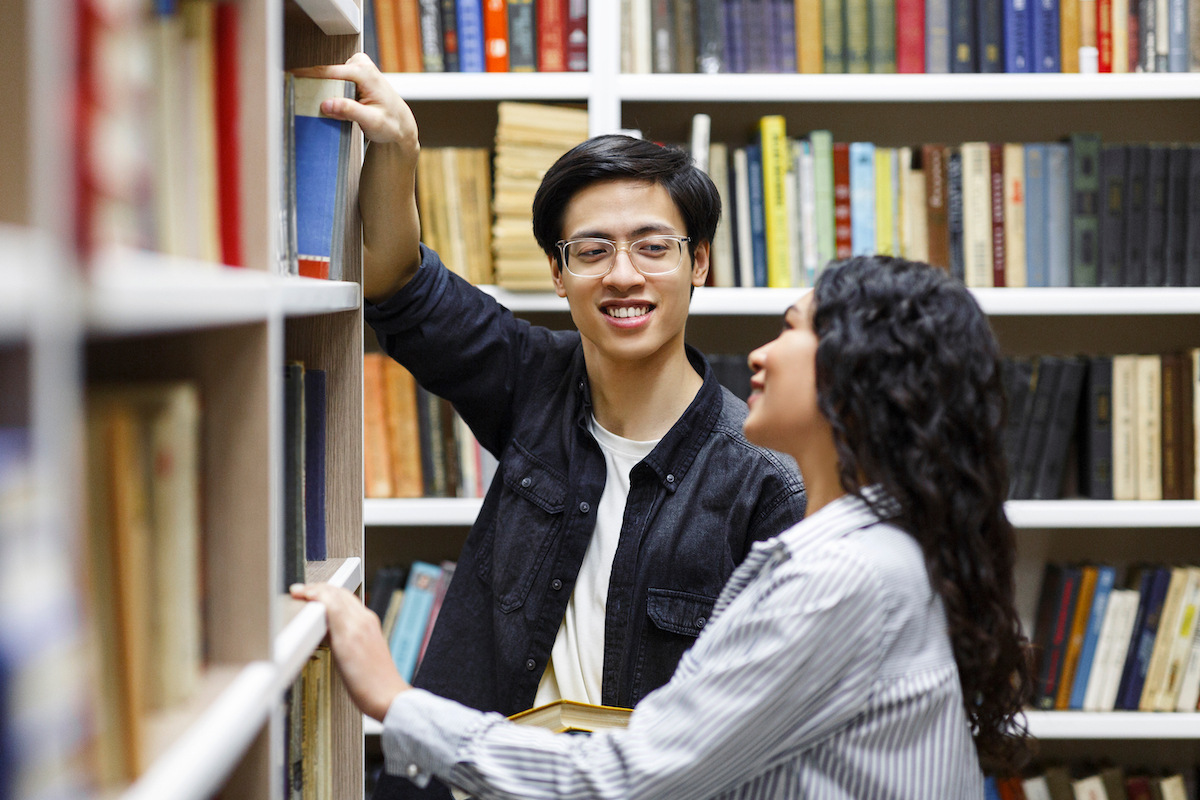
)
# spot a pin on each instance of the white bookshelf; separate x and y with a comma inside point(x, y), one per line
point(130, 315)
point(891, 110)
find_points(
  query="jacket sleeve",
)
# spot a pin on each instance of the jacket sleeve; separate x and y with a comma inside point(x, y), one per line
point(461, 344)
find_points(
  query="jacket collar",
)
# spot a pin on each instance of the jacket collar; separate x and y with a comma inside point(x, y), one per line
point(677, 450)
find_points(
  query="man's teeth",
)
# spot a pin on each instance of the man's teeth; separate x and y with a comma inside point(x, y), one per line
point(627, 311)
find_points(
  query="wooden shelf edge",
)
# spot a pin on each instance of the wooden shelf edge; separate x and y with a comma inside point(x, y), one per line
point(1103, 513)
point(1006, 87)
point(198, 762)
point(1113, 725)
point(433, 511)
point(333, 17)
point(306, 628)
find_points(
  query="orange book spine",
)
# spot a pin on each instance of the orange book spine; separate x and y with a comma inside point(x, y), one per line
point(1104, 34)
point(408, 35)
point(495, 35)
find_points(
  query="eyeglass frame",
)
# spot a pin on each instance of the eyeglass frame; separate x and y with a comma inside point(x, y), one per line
point(561, 244)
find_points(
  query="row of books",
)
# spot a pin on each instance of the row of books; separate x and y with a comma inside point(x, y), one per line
point(407, 602)
point(477, 35)
point(414, 442)
point(908, 36)
point(41, 721)
point(454, 191)
point(308, 746)
point(157, 102)
point(1073, 213)
point(304, 421)
point(1090, 782)
point(1104, 644)
point(530, 137)
point(143, 562)
point(1137, 422)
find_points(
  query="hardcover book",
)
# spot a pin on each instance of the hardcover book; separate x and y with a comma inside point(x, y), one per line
point(322, 162)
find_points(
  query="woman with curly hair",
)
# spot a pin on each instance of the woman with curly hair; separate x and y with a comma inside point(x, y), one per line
point(870, 651)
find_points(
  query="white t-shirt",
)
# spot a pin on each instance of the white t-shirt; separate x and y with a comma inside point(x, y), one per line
point(576, 667)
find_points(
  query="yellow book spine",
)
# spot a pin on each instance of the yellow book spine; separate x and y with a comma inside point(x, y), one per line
point(775, 153)
point(885, 220)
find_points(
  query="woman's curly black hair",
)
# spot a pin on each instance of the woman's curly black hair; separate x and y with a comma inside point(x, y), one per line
point(908, 374)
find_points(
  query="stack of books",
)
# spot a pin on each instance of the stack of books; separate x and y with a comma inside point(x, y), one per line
point(454, 188)
point(529, 139)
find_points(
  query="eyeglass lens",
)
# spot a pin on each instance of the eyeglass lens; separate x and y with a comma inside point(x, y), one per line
point(652, 255)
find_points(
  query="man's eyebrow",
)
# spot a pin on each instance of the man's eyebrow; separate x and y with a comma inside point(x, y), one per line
point(596, 233)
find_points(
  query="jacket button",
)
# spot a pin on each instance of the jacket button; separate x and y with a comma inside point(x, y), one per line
point(670, 479)
point(700, 622)
point(584, 507)
point(526, 482)
point(556, 584)
point(531, 665)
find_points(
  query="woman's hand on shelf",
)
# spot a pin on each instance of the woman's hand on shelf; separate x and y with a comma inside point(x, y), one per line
point(359, 649)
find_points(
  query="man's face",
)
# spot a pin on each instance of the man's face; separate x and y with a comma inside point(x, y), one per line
point(625, 315)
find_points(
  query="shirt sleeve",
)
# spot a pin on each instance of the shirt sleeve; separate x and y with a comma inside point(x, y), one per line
point(791, 661)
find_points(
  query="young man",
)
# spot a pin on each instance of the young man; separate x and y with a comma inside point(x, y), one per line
point(626, 493)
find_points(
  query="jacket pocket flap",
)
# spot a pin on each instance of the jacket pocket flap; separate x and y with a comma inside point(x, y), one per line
point(528, 477)
point(679, 612)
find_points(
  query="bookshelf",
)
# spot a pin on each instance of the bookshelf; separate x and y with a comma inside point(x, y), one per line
point(891, 110)
point(131, 315)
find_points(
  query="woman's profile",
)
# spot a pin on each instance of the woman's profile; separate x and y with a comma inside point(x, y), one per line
point(870, 651)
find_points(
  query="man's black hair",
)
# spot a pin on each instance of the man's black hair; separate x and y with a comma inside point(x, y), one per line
point(616, 157)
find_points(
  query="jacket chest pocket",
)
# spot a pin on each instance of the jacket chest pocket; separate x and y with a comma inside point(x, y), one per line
point(528, 518)
point(683, 613)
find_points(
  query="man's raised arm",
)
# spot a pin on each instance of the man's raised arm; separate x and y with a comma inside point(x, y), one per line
point(387, 191)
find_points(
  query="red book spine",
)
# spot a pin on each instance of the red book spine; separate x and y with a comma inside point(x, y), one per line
point(996, 159)
point(228, 122)
point(495, 35)
point(841, 199)
point(577, 36)
point(910, 36)
point(1104, 27)
point(552, 35)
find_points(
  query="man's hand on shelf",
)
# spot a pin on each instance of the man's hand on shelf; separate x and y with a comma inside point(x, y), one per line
point(381, 113)
point(359, 650)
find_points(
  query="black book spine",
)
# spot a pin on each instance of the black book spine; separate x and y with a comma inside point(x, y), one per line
point(293, 474)
point(710, 37)
point(989, 19)
point(1113, 173)
point(1045, 388)
point(1191, 261)
point(449, 35)
point(522, 36)
point(963, 50)
point(1178, 158)
point(1156, 217)
point(1135, 215)
point(1095, 460)
point(1060, 430)
point(954, 211)
point(1018, 384)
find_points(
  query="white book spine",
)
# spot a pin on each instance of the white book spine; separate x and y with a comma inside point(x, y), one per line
point(1116, 663)
point(806, 175)
point(791, 198)
point(1104, 647)
point(745, 246)
point(1181, 646)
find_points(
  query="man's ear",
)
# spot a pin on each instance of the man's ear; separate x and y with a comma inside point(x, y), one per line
point(700, 263)
point(556, 274)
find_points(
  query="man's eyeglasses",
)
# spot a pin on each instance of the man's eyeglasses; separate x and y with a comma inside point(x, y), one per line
point(594, 258)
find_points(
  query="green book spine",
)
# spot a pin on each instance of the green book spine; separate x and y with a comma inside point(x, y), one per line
point(822, 148)
point(1085, 219)
point(832, 35)
point(883, 36)
point(858, 36)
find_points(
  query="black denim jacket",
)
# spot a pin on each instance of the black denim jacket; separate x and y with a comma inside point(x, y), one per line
point(696, 503)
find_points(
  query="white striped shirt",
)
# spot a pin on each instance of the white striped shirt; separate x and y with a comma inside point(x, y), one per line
point(825, 672)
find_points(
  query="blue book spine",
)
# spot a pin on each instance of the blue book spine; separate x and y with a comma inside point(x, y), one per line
point(470, 35)
point(1105, 577)
point(413, 616)
point(1141, 647)
point(314, 464)
point(1058, 202)
point(1177, 36)
point(758, 217)
point(862, 198)
point(1037, 253)
point(990, 790)
point(1044, 35)
point(735, 36)
point(1016, 35)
